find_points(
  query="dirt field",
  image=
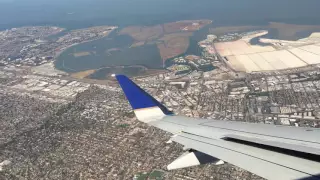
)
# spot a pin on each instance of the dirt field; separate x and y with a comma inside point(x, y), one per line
point(80, 54)
point(286, 52)
point(83, 74)
point(145, 33)
point(172, 45)
point(242, 56)
point(188, 25)
point(172, 39)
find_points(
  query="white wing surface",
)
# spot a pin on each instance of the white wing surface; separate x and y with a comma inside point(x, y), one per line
point(272, 152)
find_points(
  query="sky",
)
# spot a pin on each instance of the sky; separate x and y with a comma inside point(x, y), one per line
point(87, 12)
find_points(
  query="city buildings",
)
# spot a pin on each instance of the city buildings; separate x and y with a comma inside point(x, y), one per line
point(59, 127)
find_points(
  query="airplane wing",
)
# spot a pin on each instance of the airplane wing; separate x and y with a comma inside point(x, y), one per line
point(270, 151)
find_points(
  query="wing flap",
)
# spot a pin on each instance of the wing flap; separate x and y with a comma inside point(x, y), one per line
point(297, 139)
point(265, 163)
point(209, 137)
point(286, 144)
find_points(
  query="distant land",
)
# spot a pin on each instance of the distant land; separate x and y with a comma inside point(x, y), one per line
point(140, 50)
point(127, 49)
point(172, 39)
point(282, 31)
point(124, 13)
point(145, 46)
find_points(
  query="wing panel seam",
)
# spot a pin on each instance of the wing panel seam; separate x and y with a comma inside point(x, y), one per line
point(246, 155)
point(202, 124)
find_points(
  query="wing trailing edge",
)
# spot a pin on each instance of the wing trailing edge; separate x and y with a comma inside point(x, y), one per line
point(272, 152)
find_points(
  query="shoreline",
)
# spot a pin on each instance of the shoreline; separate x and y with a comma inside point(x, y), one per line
point(62, 50)
point(166, 62)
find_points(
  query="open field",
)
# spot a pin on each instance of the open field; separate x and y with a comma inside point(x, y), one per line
point(168, 37)
point(187, 25)
point(147, 33)
point(172, 45)
point(83, 74)
point(242, 56)
point(80, 54)
point(172, 38)
point(143, 33)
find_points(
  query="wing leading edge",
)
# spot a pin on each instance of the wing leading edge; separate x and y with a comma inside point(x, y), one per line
point(272, 152)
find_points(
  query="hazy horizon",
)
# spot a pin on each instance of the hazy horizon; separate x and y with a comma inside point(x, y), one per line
point(85, 13)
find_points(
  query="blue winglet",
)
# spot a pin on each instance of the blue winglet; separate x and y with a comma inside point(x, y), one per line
point(137, 97)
